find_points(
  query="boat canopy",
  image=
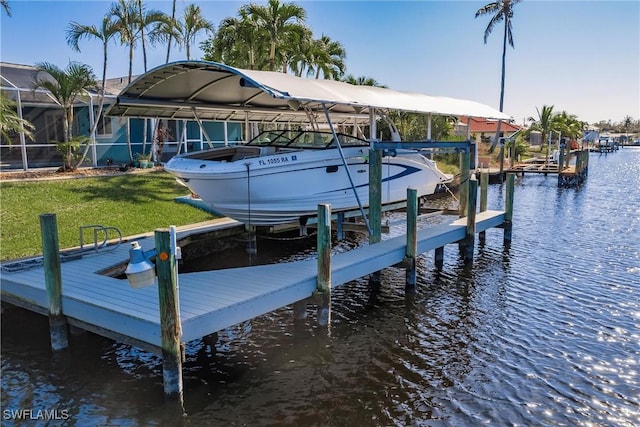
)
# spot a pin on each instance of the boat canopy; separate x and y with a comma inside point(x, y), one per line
point(214, 91)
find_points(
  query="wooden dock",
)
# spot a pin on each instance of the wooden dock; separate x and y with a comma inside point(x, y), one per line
point(569, 174)
point(209, 301)
point(81, 289)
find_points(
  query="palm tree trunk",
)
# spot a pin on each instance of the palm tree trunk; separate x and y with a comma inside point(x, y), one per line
point(68, 120)
point(173, 17)
point(100, 107)
point(130, 62)
point(144, 47)
point(272, 56)
point(498, 130)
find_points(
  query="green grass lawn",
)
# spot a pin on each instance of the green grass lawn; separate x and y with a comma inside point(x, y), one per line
point(134, 203)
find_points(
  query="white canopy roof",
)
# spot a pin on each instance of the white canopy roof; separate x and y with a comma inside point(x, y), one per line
point(216, 91)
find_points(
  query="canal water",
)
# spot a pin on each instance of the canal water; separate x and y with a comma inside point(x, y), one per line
point(544, 333)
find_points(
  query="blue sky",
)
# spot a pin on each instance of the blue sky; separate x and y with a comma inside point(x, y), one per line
point(579, 56)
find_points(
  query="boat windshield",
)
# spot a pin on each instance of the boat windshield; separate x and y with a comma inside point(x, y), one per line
point(305, 139)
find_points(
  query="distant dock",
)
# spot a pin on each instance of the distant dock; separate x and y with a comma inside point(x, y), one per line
point(571, 170)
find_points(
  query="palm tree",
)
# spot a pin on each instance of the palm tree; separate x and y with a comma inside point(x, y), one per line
point(192, 23)
point(11, 122)
point(66, 86)
point(502, 10)
point(330, 60)
point(277, 20)
point(149, 18)
point(126, 14)
point(170, 36)
point(544, 122)
point(291, 45)
point(303, 52)
point(362, 81)
point(5, 6)
point(105, 33)
point(238, 42)
point(567, 124)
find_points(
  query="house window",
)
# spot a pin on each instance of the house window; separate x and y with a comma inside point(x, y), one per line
point(104, 125)
point(54, 127)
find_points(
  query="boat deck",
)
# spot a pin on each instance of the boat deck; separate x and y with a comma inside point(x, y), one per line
point(210, 300)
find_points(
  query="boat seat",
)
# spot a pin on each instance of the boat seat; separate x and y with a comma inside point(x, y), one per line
point(245, 152)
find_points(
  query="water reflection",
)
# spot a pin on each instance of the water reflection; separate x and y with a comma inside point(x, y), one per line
point(543, 333)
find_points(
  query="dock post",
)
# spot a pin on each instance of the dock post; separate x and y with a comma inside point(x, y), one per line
point(375, 203)
point(53, 281)
point(585, 154)
point(484, 188)
point(501, 156)
point(508, 210)
point(170, 326)
point(471, 221)
point(439, 257)
point(560, 163)
point(323, 280)
point(412, 237)
point(464, 183)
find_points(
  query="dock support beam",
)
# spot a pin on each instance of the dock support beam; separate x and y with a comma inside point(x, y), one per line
point(484, 187)
point(323, 280)
point(508, 210)
point(375, 203)
point(53, 281)
point(170, 326)
point(471, 221)
point(412, 238)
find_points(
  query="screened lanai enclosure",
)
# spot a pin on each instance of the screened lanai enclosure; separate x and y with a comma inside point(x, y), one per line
point(109, 143)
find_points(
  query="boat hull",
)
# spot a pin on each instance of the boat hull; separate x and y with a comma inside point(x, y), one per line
point(288, 186)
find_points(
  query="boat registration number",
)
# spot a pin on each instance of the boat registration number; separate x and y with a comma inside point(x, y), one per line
point(276, 160)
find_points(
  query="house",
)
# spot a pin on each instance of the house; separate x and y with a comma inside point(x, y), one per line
point(111, 145)
point(484, 130)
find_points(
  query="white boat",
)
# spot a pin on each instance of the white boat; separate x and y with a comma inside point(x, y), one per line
point(284, 179)
point(282, 176)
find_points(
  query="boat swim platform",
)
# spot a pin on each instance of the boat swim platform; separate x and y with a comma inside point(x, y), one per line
point(210, 301)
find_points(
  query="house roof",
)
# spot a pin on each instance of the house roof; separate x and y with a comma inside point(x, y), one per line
point(218, 92)
point(20, 77)
point(478, 124)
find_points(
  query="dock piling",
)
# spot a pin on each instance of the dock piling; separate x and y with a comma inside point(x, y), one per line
point(471, 221)
point(53, 281)
point(170, 326)
point(375, 204)
point(323, 280)
point(439, 257)
point(465, 160)
point(484, 188)
point(412, 237)
point(508, 210)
